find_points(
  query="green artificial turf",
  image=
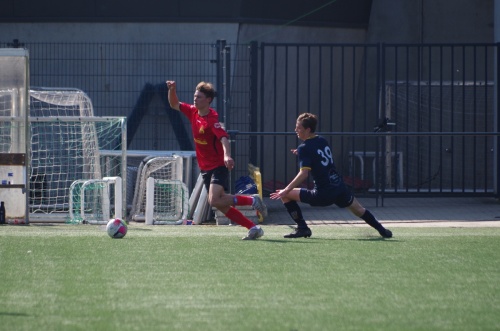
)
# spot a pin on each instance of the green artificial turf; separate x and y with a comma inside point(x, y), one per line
point(74, 277)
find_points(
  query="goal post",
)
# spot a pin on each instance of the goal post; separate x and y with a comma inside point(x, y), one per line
point(166, 170)
point(167, 201)
point(90, 200)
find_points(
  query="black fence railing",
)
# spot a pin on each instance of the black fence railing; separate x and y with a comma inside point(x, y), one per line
point(447, 89)
point(384, 171)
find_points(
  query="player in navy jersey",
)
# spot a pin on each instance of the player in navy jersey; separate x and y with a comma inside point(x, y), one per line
point(316, 157)
point(213, 153)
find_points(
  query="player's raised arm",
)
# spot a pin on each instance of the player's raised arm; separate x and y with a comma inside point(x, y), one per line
point(172, 95)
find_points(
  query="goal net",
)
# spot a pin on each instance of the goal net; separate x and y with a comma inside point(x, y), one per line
point(167, 201)
point(440, 162)
point(168, 196)
point(65, 142)
point(90, 200)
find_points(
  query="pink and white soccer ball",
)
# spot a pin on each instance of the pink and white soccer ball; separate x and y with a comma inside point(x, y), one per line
point(116, 228)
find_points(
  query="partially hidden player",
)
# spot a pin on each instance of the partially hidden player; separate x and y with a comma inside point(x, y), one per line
point(316, 157)
point(213, 153)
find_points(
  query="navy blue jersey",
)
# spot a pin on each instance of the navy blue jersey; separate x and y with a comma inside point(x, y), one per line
point(316, 155)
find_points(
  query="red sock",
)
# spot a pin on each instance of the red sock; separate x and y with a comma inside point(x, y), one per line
point(235, 215)
point(242, 200)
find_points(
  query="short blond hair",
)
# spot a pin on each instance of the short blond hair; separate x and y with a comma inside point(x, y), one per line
point(207, 89)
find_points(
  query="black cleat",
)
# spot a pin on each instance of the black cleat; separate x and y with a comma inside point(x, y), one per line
point(299, 233)
point(385, 233)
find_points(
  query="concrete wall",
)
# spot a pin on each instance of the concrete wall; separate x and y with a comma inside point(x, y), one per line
point(497, 19)
point(404, 21)
point(431, 21)
point(119, 32)
point(175, 33)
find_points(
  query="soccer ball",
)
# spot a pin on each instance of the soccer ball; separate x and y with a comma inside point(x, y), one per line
point(116, 228)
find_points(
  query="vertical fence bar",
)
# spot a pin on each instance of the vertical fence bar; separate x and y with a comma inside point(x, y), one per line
point(496, 110)
point(464, 147)
point(286, 63)
point(380, 96)
point(220, 46)
point(429, 122)
point(474, 111)
point(227, 107)
point(496, 128)
point(275, 118)
point(262, 115)
point(452, 119)
point(254, 85)
point(441, 123)
point(227, 86)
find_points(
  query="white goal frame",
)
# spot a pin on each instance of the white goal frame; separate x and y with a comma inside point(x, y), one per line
point(180, 209)
point(154, 167)
point(89, 214)
point(55, 113)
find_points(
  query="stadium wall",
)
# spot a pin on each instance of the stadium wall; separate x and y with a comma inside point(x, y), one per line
point(422, 21)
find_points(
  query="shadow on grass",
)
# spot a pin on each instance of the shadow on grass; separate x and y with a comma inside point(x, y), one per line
point(288, 241)
point(317, 240)
point(4, 313)
point(375, 239)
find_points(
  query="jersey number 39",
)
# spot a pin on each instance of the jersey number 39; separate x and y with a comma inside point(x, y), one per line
point(326, 156)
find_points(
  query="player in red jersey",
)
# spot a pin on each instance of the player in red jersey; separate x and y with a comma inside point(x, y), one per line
point(213, 153)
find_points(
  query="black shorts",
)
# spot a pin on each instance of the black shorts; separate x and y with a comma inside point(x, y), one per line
point(339, 195)
point(217, 176)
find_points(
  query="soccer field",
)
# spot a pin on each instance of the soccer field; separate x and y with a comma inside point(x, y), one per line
point(74, 277)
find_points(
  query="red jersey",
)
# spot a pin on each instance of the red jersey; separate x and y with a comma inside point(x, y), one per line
point(207, 133)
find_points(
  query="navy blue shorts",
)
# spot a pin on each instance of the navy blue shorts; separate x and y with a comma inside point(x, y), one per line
point(339, 195)
point(217, 176)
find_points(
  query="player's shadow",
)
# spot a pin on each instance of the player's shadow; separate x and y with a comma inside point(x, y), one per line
point(5, 313)
point(288, 241)
point(316, 240)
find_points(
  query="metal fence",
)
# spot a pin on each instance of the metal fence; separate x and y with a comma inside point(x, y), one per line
point(436, 102)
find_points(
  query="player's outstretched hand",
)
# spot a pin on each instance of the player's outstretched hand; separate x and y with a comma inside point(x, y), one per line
point(276, 195)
